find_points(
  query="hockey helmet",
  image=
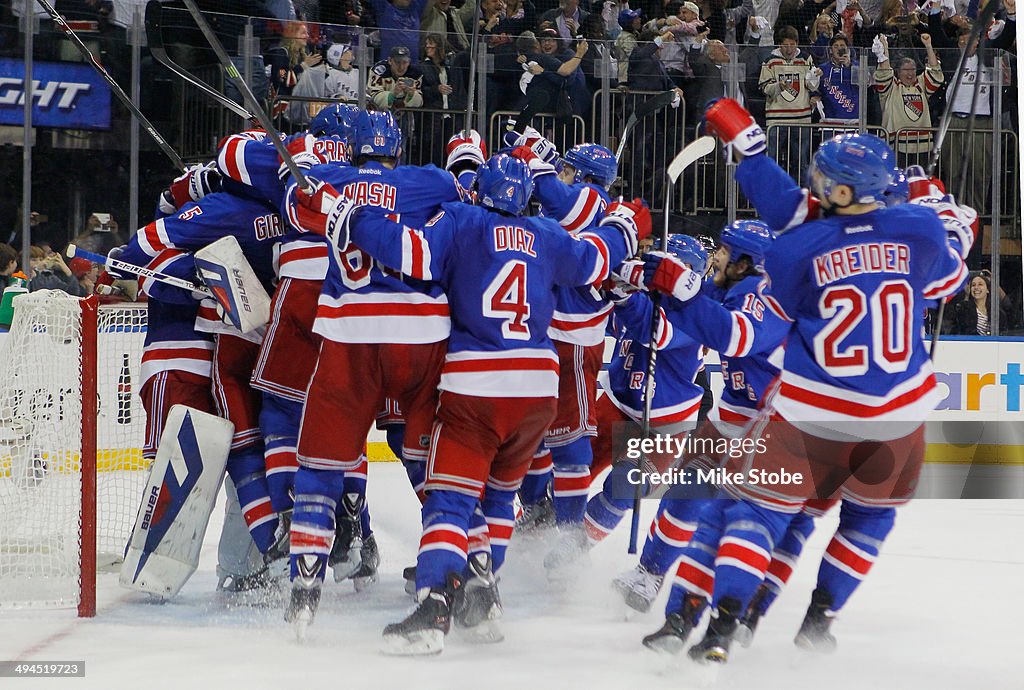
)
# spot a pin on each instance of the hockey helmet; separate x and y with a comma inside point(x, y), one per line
point(376, 134)
point(899, 191)
point(334, 120)
point(594, 161)
point(690, 251)
point(504, 183)
point(863, 162)
point(747, 238)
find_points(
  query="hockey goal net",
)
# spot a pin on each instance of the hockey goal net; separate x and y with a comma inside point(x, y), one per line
point(71, 434)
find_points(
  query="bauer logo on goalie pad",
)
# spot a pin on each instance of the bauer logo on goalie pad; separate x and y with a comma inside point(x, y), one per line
point(234, 284)
point(179, 497)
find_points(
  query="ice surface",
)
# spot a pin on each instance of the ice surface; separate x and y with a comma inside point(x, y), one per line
point(941, 609)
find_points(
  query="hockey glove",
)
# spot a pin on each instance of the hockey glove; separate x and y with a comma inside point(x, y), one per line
point(302, 151)
point(533, 139)
point(735, 127)
point(322, 211)
point(197, 182)
point(921, 185)
point(465, 150)
point(629, 276)
point(665, 273)
point(616, 291)
point(632, 219)
point(537, 165)
point(960, 221)
point(116, 253)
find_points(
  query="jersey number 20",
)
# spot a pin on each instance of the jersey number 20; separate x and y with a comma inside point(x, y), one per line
point(505, 298)
point(891, 310)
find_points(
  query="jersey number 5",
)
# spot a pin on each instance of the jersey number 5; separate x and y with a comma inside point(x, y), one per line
point(845, 306)
point(505, 298)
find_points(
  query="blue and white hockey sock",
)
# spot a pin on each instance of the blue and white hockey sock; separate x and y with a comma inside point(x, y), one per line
point(312, 533)
point(695, 571)
point(246, 469)
point(751, 532)
point(499, 511)
point(784, 558)
point(479, 541)
point(571, 482)
point(853, 549)
point(279, 424)
point(444, 543)
point(417, 473)
point(535, 483)
point(396, 437)
point(673, 528)
point(355, 483)
point(606, 509)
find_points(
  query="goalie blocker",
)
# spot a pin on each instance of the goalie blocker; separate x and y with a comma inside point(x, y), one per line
point(233, 282)
point(183, 485)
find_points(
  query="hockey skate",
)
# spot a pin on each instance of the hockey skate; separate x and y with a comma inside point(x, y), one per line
point(714, 648)
point(409, 575)
point(639, 588)
point(537, 518)
point(369, 559)
point(345, 556)
point(235, 584)
point(568, 556)
point(276, 557)
point(744, 634)
point(422, 632)
point(477, 606)
point(814, 635)
point(305, 594)
point(671, 637)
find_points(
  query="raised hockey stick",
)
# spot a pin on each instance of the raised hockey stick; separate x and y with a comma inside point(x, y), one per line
point(114, 86)
point(684, 159)
point(247, 95)
point(125, 267)
point(651, 105)
point(155, 42)
point(981, 24)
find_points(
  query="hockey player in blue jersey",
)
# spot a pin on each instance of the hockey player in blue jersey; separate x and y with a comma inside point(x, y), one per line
point(500, 374)
point(857, 381)
point(730, 318)
point(382, 335)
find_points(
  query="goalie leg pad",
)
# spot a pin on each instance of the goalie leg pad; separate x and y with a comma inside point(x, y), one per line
point(232, 281)
point(183, 484)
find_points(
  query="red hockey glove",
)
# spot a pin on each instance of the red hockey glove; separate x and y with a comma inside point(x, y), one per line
point(665, 273)
point(921, 185)
point(303, 152)
point(735, 127)
point(322, 211)
point(465, 149)
point(538, 166)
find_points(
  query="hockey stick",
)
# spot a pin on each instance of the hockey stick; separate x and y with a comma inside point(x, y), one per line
point(471, 85)
point(651, 105)
point(981, 24)
point(155, 41)
point(684, 159)
point(247, 95)
point(125, 267)
point(117, 90)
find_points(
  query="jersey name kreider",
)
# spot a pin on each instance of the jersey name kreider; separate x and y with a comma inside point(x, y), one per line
point(858, 259)
point(513, 238)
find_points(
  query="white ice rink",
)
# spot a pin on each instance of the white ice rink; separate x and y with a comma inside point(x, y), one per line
point(942, 609)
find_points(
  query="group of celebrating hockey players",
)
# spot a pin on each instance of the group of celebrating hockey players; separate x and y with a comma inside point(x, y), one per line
point(430, 302)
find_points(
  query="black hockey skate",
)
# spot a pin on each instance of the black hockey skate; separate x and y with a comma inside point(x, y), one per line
point(537, 518)
point(671, 637)
point(744, 634)
point(234, 584)
point(714, 648)
point(423, 630)
point(409, 575)
point(369, 559)
point(345, 556)
point(477, 606)
point(305, 593)
point(814, 635)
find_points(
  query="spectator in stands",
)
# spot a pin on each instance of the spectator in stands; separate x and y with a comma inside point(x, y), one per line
point(566, 19)
point(287, 60)
point(49, 272)
point(342, 12)
point(840, 92)
point(550, 72)
point(683, 21)
point(906, 115)
point(498, 27)
point(399, 23)
point(759, 17)
point(86, 273)
point(646, 71)
point(396, 83)
point(332, 78)
point(8, 263)
point(101, 234)
point(597, 44)
point(707, 69)
point(439, 17)
point(788, 80)
point(630, 21)
point(971, 316)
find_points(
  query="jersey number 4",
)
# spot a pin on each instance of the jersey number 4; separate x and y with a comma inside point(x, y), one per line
point(505, 298)
point(890, 308)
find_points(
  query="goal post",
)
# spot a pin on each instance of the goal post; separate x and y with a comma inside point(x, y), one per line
point(71, 434)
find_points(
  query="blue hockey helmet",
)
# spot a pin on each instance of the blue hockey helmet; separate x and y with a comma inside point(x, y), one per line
point(334, 120)
point(594, 161)
point(899, 191)
point(504, 183)
point(747, 238)
point(863, 162)
point(376, 134)
point(690, 251)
